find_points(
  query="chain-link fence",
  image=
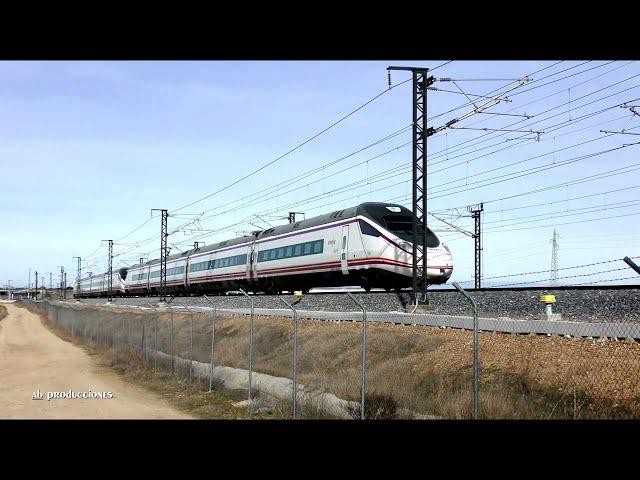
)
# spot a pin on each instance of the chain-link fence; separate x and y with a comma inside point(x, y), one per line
point(361, 363)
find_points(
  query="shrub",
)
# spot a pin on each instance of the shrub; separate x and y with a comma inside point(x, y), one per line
point(377, 406)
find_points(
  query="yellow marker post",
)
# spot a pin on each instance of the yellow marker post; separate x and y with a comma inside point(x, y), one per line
point(548, 298)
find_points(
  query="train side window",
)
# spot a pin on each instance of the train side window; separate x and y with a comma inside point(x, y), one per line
point(367, 229)
point(317, 246)
point(289, 252)
point(297, 250)
point(272, 254)
point(307, 248)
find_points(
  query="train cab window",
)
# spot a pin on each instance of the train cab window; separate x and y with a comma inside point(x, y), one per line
point(402, 226)
point(367, 229)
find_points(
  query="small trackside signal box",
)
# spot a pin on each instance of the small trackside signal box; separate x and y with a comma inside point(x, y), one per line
point(298, 293)
point(548, 298)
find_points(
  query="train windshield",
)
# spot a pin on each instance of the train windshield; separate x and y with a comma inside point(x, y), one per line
point(402, 226)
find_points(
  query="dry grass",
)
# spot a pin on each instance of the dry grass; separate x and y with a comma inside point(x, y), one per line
point(429, 370)
point(3, 312)
point(424, 369)
point(190, 397)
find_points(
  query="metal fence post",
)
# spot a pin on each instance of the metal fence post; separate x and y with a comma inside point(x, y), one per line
point(155, 337)
point(213, 339)
point(475, 348)
point(190, 340)
point(294, 360)
point(171, 341)
point(250, 343)
point(144, 334)
point(155, 343)
point(363, 368)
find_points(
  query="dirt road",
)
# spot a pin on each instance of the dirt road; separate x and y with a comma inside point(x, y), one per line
point(32, 358)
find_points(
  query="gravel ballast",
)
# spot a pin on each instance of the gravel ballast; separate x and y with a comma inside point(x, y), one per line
point(592, 305)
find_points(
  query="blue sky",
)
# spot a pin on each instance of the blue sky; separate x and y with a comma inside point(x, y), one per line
point(88, 148)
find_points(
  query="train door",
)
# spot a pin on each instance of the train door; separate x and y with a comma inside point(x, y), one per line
point(251, 261)
point(186, 272)
point(345, 249)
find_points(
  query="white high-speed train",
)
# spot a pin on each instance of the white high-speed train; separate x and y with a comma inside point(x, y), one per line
point(368, 245)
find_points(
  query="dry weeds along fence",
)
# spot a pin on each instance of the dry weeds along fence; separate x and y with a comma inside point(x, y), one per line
point(409, 369)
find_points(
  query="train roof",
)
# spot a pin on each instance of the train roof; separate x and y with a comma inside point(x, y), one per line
point(372, 210)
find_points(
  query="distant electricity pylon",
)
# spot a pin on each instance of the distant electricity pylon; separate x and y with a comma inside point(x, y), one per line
point(554, 259)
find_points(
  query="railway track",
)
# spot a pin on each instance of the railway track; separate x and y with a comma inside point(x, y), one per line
point(404, 291)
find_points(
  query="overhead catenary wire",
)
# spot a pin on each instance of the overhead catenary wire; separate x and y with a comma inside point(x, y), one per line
point(384, 176)
point(491, 135)
point(574, 100)
point(542, 69)
point(574, 267)
point(445, 63)
point(300, 145)
point(564, 277)
point(359, 184)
